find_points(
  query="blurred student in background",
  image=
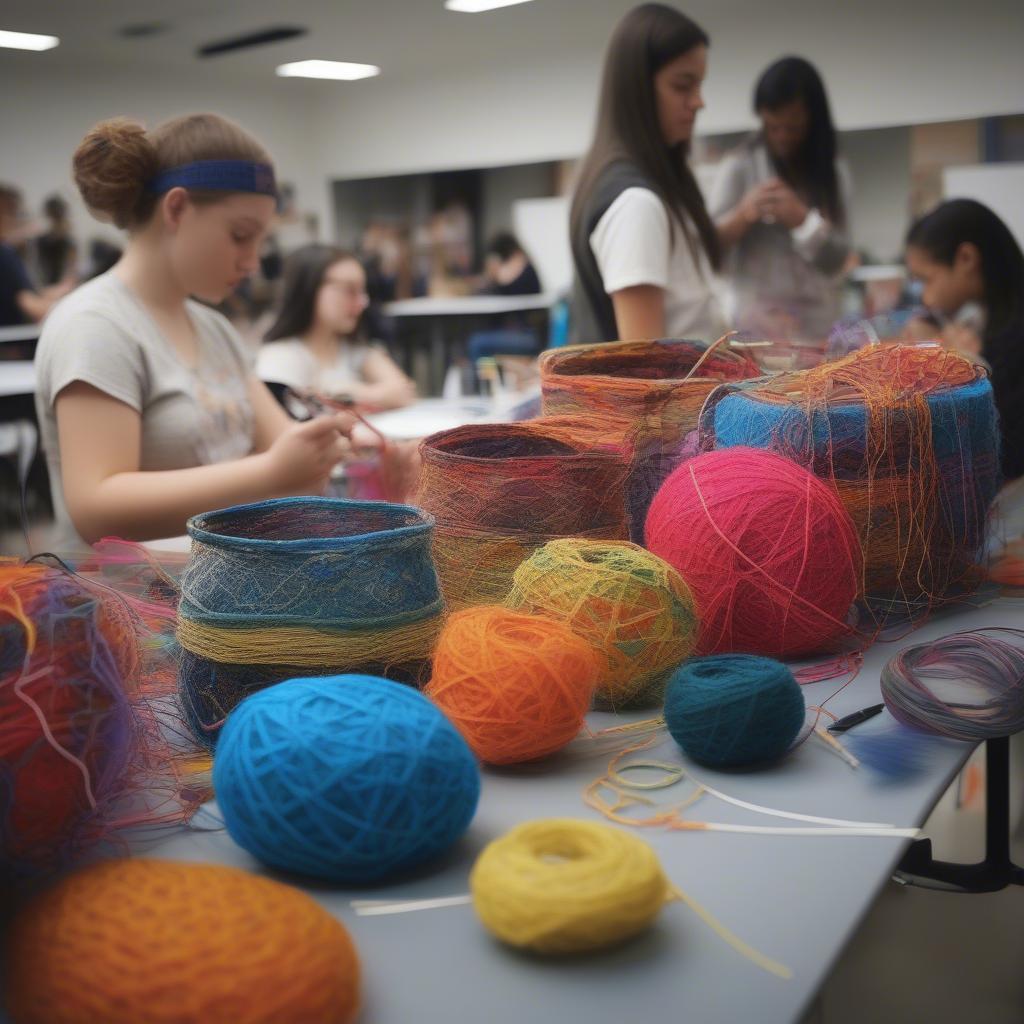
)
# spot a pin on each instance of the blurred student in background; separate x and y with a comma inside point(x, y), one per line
point(507, 268)
point(319, 341)
point(55, 251)
point(20, 301)
point(781, 203)
point(972, 272)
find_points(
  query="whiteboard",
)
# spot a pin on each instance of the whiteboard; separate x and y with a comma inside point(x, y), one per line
point(542, 227)
point(999, 186)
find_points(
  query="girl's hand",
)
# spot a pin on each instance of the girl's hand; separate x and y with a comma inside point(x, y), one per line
point(301, 459)
point(782, 205)
point(752, 206)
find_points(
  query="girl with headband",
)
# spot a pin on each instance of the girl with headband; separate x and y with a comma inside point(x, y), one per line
point(148, 405)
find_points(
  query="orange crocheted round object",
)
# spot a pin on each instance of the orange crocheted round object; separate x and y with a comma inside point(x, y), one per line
point(132, 941)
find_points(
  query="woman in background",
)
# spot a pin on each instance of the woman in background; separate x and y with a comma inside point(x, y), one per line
point(781, 202)
point(644, 248)
point(148, 407)
point(967, 258)
point(318, 342)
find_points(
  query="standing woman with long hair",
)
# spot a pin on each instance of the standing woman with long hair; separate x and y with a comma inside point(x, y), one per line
point(966, 257)
point(320, 342)
point(644, 247)
point(148, 405)
point(781, 203)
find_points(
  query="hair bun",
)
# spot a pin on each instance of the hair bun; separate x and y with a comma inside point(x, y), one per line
point(111, 167)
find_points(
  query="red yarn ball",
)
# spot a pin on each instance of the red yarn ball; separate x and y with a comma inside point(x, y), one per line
point(769, 551)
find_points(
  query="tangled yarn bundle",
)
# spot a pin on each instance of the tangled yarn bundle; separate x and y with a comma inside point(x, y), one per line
point(967, 686)
point(133, 940)
point(68, 735)
point(500, 490)
point(640, 390)
point(88, 739)
point(516, 686)
point(907, 436)
point(768, 550)
point(279, 587)
point(349, 778)
point(632, 607)
point(734, 710)
point(563, 886)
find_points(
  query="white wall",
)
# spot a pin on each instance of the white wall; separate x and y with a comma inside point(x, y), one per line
point(503, 186)
point(884, 64)
point(879, 215)
point(44, 115)
point(998, 186)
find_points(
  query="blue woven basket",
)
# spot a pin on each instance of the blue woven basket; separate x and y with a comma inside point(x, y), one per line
point(328, 563)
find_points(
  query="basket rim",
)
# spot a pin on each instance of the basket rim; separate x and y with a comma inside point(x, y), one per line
point(198, 525)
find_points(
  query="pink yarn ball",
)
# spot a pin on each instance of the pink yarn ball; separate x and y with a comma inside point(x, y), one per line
point(769, 551)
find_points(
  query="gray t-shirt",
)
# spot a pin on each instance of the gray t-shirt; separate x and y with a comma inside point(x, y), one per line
point(103, 335)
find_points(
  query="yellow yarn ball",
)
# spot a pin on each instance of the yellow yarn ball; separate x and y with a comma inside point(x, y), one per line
point(633, 608)
point(559, 885)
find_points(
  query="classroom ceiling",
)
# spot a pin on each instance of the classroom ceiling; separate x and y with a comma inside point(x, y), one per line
point(405, 37)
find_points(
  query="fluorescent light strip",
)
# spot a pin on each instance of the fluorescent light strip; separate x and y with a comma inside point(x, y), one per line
point(338, 70)
point(27, 41)
point(476, 6)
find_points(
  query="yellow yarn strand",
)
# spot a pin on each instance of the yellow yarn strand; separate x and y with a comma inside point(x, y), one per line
point(307, 647)
point(762, 961)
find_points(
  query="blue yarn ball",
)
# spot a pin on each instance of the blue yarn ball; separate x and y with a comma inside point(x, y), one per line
point(349, 778)
point(731, 710)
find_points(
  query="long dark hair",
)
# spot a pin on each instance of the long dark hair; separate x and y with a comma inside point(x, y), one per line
point(942, 231)
point(304, 273)
point(645, 40)
point(814, 168)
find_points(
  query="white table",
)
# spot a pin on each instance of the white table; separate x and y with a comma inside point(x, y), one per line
point(20, 332)
point(437, 309)
point(429, 415)
point(17, 377)
point(469, 305)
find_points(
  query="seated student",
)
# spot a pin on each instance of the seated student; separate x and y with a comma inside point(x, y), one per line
point(20, 302)
point(318, 341)
point(965, 256)
point(644, 247)
point(149, 410)
point(507, 268)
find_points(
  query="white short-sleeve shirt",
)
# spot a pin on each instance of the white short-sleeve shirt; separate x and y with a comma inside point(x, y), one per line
point(634, 244)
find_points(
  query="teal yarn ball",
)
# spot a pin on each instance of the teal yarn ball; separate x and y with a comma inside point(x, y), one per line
point(348, 778)
point(734, 710)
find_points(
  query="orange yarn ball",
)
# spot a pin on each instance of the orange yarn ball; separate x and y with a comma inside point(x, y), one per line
point(127, 941)
point(516, 686)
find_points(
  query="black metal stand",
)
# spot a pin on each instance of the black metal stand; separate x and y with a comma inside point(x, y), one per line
point(996, 871)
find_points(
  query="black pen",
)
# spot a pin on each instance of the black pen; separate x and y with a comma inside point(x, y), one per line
point(856, 718)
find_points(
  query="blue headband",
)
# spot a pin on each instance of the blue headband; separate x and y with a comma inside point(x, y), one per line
point(221, 175)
